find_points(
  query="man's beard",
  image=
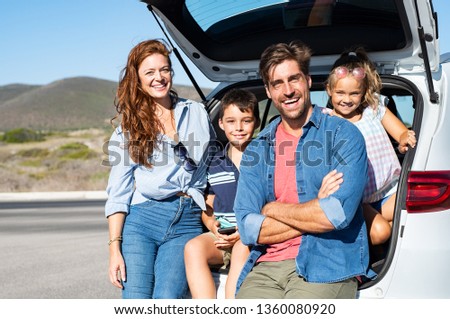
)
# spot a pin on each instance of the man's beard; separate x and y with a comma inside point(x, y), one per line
point(297, 114)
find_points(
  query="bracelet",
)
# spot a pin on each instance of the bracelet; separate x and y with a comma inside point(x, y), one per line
point(119, 238)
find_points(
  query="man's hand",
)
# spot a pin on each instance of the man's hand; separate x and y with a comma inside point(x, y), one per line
point(330, 184)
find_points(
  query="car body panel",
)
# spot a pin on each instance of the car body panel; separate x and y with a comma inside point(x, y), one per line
point(422, 240)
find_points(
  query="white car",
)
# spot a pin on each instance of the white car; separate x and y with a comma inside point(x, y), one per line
point(225, 39)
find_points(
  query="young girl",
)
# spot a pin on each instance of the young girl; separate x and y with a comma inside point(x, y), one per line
point(354, 86)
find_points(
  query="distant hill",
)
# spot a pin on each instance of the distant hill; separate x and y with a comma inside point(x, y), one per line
point(9, 92)
point(67, 104)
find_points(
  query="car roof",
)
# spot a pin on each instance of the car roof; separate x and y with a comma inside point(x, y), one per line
point(225, 39)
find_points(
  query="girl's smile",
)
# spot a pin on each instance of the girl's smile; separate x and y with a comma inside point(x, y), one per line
point(346, 97)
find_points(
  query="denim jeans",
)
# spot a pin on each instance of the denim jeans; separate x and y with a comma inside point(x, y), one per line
point(154, 236)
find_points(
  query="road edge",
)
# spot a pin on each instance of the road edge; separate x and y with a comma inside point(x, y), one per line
point(52, 196)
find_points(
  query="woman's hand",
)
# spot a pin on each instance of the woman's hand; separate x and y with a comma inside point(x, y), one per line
point(117, 272)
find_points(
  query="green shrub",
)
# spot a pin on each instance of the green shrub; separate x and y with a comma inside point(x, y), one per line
point(74, 146)
point(22, 135)
point(34, 152)
point(75, 151)
point(32, 163)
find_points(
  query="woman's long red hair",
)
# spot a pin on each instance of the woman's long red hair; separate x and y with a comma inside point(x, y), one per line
point(136, 107)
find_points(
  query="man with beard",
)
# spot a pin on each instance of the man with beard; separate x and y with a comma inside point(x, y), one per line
point(298, 202)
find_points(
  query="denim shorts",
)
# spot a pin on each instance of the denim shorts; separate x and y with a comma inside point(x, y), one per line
point(378, 204)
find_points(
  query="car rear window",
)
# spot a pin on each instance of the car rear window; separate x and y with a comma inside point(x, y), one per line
point(327, 26)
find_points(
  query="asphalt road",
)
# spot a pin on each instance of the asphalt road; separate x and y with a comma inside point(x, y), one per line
point(54, 250)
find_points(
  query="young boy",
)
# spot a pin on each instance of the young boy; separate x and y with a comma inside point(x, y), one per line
point(239, 117)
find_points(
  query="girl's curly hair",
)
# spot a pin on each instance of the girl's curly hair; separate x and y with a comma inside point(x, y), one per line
point(358, 58)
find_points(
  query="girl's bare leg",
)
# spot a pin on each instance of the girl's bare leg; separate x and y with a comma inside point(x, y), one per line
point(387, 210)
point(378, 228)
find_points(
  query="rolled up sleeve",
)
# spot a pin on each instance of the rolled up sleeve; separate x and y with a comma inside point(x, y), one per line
point(335, 213)
point(252, 227)
point(121, 178)
point(250, 197)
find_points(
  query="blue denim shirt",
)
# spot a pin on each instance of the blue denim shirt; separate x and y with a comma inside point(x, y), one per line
point(130, 183)
point(327, 143)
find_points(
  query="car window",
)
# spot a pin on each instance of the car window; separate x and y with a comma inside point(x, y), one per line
point(405, 108)
point(207, 13)
point(229, 22)
point(402, 105)
point(319, 97)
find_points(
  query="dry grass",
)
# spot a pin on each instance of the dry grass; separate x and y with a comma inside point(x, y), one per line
point(63, 162)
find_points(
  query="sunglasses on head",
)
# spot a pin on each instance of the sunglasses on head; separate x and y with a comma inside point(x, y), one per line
point(342, 71)
point(182, 153)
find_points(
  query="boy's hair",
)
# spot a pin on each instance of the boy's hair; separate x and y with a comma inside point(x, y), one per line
point(245, 100)
point(280, 52)
point(354, 58)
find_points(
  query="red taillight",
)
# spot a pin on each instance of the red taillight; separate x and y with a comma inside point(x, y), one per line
point(428, 191)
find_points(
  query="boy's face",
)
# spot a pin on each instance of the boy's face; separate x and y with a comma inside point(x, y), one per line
point(238, 126)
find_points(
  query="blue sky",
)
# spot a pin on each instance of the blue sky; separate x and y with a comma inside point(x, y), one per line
point(44, 41)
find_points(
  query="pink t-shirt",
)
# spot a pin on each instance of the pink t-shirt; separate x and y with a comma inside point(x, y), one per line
point(285, 191)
